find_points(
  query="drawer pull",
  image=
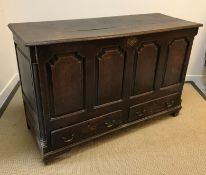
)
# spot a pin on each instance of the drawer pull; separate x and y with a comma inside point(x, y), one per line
point(90, 126)
point(68, 140)
point(140, 113)
point(170, 104)
point(110, 124)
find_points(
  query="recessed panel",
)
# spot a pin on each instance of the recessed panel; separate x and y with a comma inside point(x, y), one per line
point(110, 73)
point(26, 77)
point(66, 73)
point(176, 55)
point(144, 68)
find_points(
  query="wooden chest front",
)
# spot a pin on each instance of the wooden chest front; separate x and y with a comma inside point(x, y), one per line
point(75, 91)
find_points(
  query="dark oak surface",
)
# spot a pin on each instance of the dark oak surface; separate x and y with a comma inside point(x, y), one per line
point(39, 33)
point(122, 70)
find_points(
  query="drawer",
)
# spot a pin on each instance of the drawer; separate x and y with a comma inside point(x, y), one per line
point(77, 132)
point(152, 107)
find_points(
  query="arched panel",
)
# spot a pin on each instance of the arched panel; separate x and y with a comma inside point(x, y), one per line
point(176, 55)
point(66, 74)
point(110, 73)
point(145, 68)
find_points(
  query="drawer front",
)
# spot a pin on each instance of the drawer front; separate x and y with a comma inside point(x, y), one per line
point(75, 133)
point(143, 110)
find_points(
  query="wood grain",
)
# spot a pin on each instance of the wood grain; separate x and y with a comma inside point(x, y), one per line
point(39, 33)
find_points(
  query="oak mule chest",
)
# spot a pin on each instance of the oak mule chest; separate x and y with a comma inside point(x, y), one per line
point(84, 78)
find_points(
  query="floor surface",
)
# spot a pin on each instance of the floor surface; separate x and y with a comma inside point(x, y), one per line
point(163, 146)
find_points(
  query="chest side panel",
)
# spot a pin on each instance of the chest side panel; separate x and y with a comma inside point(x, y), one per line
point(25, 67)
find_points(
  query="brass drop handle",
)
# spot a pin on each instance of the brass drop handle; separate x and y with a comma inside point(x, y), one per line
point(170, 104)
point(90, 126)
point(68, 140)
point(140, 113)
point(110, 124)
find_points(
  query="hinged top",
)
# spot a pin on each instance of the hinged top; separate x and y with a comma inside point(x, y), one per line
point(40, 33)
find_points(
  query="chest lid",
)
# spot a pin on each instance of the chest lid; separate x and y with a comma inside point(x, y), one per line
point(47, 32)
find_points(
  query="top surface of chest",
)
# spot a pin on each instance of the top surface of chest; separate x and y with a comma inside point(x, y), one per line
point(40, 33)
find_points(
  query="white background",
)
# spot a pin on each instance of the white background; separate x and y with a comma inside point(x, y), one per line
point(41, 10)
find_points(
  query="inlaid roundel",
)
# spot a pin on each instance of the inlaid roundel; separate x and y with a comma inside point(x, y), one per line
point(66, 73)
point(109, 75)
